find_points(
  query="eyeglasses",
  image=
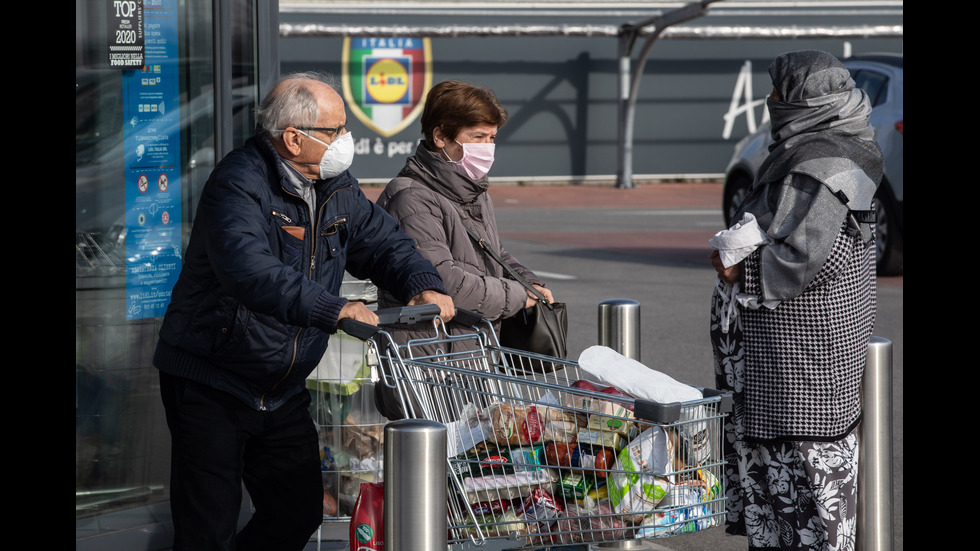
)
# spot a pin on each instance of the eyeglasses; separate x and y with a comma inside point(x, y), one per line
point(337, 130)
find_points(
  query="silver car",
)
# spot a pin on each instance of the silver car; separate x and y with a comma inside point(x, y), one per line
point(881, 76)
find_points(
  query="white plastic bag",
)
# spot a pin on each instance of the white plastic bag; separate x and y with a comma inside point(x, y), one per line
point(634, 378)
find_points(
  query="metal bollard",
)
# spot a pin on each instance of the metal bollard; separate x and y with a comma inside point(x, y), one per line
point(415, 486)
point(619, 326)
point(875, 480)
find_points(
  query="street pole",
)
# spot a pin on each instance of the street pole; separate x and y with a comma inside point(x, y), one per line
point(875, 479)
point(619, 326)
point(415, 486)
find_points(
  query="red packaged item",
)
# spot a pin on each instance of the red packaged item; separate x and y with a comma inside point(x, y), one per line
point(367, 531)
point(539, 510)
point(515, 425)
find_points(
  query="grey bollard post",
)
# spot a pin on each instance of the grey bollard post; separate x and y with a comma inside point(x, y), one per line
point(619, 326)
point(619, 329)
point(415, 486)
point(875, 479)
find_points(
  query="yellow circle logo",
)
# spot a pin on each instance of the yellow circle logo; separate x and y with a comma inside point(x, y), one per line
point(387, 81)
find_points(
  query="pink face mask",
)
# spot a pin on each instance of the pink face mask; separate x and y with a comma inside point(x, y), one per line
point(477, 159)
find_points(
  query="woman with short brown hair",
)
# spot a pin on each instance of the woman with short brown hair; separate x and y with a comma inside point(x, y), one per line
point(440, 199)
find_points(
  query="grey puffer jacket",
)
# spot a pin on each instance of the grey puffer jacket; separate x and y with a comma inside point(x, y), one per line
point(434, 204)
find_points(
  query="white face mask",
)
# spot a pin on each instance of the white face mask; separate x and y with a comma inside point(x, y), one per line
point(338, 156)
point(477, 159)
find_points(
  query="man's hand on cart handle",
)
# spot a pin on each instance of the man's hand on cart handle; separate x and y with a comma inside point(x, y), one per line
point(357, 311)
point(445, 303)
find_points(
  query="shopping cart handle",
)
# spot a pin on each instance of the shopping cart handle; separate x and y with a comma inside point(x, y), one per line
point(467, 318)
point(408, 314)
point(357, 329)
point(657, 412)
point(389, 316)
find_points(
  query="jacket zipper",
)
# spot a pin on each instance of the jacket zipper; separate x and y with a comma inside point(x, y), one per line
point(314, 225)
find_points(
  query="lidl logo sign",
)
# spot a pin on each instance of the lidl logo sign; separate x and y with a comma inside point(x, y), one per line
point(385, 80)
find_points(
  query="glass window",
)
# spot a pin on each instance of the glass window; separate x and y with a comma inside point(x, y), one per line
point(144, 146)
point(874, 84)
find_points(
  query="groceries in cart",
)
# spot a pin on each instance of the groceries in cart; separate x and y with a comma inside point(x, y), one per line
point(582, 454)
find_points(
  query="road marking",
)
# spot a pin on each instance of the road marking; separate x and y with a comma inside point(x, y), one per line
point(549, 275)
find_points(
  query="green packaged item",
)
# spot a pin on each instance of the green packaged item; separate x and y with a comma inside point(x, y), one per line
point(527, 459)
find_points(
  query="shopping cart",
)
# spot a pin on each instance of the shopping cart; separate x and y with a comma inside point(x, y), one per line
point(538, 455)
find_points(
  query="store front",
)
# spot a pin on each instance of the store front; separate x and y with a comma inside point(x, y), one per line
point(161, 92)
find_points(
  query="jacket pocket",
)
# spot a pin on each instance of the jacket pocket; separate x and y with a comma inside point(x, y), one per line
point(231, 330)
point(299, 232)
point(334, 236)
point(290, 241)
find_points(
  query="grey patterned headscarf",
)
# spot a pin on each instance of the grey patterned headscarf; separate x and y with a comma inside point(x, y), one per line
point(821, 130)
point(816, 93)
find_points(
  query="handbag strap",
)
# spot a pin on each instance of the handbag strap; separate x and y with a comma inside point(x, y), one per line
point(510, 270)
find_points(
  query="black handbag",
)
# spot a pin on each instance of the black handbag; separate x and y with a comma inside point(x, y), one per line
point(542, 329)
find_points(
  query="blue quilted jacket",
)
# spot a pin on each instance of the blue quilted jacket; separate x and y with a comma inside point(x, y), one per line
point(257, 298)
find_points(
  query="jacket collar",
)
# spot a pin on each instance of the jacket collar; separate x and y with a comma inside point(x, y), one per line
point(428, 168)
point(278, 167)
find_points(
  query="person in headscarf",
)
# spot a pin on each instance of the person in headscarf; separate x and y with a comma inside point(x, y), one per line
point(793, 312)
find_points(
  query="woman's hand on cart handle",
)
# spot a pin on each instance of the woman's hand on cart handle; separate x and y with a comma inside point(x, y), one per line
point(446, 307)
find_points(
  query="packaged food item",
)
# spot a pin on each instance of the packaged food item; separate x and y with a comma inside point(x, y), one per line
point(483, 461)
point(575, 486)
point(560, 454)
point(602, 439)
point(494, 507)
point(596, 460)
point(508, 523)
point(635, 491)
point(687, 493)
point(677, 521)
point(469, 431)
point(539, 510)
point(494, 521)
point(329, 503)
point(367, 520)
point(558, 425)
point(693, 440)
point(361, 439)
point(610, 423)
point(634, 378)
point(527, 458)
point(506, 486)
point(515, 425)
point(593, 523)
point(594, 405)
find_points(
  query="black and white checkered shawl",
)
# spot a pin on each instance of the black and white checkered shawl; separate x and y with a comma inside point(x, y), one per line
point(805, 358)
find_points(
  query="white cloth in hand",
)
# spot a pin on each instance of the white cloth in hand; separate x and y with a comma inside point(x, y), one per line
point(738, 242)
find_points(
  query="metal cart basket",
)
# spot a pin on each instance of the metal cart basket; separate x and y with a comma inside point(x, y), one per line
point(540, 456)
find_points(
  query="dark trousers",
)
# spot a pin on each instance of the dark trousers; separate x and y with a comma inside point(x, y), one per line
point(218, 442)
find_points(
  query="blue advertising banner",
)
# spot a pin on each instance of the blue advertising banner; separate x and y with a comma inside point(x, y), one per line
point(151, 114)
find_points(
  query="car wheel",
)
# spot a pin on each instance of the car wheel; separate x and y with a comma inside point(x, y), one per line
point(735, 191)
point(888, 234)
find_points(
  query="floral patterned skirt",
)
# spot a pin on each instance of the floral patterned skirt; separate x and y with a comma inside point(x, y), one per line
point(786, 494)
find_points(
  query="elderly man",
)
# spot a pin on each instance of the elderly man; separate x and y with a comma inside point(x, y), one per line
point(279, 221)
